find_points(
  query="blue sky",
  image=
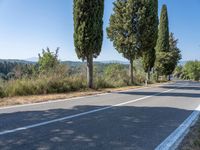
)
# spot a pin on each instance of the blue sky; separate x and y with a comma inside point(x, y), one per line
point(27, 26)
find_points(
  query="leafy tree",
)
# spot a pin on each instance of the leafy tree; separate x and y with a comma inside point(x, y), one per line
point(48, 60)
point(192, 70)
point(6, 66)
point(3, 76)
point(123, 29)
point(149, 32)
point(162, 47)
point(88, 32)
point(178, 72)
point(12, 69)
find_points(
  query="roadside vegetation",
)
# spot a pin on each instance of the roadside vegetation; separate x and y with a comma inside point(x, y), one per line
point(192, 139)
point(49, 75)
point(133, 29)
point(189, 71)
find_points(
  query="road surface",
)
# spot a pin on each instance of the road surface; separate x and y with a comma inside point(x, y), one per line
point(131, 120)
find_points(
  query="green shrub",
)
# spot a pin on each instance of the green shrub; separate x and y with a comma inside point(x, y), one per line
point(2, 94)
point(100, 82)
point(116, 75)
point(44, 85)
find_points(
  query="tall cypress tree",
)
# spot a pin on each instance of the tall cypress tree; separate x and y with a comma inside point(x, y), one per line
point(123, 29)
point(149, 32)
point(88, 32)
point(174, 55)
point(162, 47)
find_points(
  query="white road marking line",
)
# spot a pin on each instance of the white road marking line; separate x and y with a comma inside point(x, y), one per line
point(175, 138)
point(78, 115)
point(75, 98)
point(68, 99)
point(51, 101)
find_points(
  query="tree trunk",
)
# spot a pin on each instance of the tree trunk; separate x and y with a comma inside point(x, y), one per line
point(149, 74)
point(90, 72)
point(131, 70)
point(157, 76)
point(147, 77)
point(169, 78)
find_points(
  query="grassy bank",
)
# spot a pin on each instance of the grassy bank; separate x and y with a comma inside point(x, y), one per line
point(41, 85)
point(192, 140)
point(64, 80)
point(17, 100)
point(55, 84)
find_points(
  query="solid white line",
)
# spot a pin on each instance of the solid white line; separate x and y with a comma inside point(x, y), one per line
point(75, 98)
point(69, 99)
point(52, 101)
point(175, 138)
point(78, 115)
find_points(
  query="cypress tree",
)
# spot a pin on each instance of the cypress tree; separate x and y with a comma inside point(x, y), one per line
point(149, 32)
point(123, 29)
point(173, 56)
point(88, 32)
point(162, 47)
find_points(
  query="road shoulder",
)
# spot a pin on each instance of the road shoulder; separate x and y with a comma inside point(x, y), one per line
point(192, 139)
point(35, 99)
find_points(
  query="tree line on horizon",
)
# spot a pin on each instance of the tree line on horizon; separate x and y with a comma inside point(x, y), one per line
point(135, 31)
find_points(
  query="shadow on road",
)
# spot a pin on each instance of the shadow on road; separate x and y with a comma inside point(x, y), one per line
point(189, 85)
point(172, 94)
point(118, 128)
point(182, 88)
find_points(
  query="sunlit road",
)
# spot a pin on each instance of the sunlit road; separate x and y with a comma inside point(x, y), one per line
point(132, 120)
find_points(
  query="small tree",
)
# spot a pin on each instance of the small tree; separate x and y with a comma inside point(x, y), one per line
point(88, 32)
point(123, 29)
point(48, 60)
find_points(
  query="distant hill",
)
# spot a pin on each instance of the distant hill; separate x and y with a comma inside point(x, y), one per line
point(79, 63)
point(73, 63)
point(115, 61)
point(32, 59)
point(16, 61)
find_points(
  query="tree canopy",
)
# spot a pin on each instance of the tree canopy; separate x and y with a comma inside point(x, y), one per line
point(124, 29)
point(48, 60)
point(162, 47)
point(149, 32)
point(88, 32)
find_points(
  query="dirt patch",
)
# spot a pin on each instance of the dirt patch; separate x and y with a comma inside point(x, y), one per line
point(192, 139)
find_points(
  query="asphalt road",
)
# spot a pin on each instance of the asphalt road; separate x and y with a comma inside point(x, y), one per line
point(131, 120)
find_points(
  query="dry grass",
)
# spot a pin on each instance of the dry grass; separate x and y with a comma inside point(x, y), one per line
point(9, 101)
point(192, 140)
point(18, 100)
